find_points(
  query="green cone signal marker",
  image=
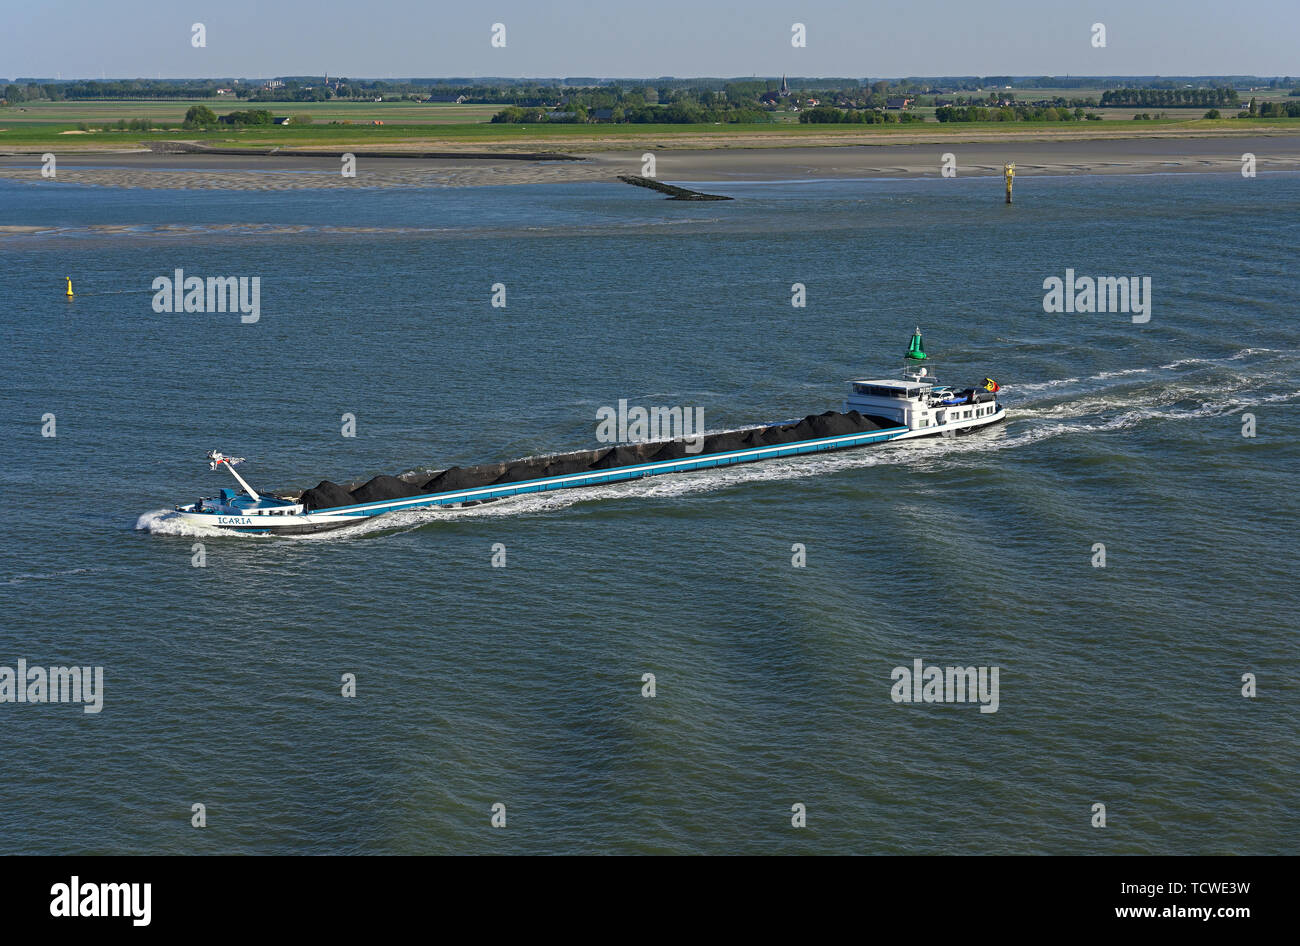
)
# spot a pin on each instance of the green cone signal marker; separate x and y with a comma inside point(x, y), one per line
point(915, 350)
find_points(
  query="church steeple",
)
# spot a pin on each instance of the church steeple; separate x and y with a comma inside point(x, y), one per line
point(785, 86)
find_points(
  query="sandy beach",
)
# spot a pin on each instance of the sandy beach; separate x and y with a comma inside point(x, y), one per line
point(1036, 156)
point(982, 158)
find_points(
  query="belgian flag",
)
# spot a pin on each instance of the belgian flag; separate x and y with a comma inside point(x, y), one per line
point(988, 384)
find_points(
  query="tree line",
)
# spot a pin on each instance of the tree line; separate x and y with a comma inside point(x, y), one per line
point(677, 113)
point(830, 115)
point(1274, 109)
point(200, 116)
point(1017, 113)
point(1169, 98)
point(125, 89)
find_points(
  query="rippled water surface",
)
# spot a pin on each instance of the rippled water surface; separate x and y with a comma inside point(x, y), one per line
point(522, 685)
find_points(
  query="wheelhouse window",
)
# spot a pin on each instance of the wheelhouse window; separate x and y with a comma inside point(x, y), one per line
point(875, 390)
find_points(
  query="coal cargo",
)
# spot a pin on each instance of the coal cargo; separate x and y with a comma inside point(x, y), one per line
point(518, 472)
point(672, 450)
point(326, 495)
point(457, 478)
point(777, 435)
point(568, 464)
point(833, 424)
point(625, 455)
point(384, 487)
point(800, 431)
point(725, 443)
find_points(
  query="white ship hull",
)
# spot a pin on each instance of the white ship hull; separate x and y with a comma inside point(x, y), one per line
point(293, 524)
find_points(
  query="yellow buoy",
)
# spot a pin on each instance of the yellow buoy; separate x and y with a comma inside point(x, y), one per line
point(1009, 172)
point(69, 292)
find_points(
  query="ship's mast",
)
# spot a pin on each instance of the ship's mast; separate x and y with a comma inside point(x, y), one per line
point(220, 459)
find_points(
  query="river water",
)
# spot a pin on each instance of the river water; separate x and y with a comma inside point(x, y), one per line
point(478, 685)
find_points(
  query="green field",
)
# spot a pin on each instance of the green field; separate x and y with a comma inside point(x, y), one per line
point(54, 126)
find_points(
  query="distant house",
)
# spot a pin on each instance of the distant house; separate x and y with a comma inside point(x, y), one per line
point(282, 121)
point(446, 97)
point(601, 114)
point(899, 103)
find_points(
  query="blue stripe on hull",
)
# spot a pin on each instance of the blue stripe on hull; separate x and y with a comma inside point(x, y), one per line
point(618, 474)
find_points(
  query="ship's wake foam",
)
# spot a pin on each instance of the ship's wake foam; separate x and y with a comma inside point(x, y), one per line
point(166, 522)
point(1101, 404)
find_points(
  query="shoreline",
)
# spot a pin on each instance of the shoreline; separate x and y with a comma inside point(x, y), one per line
point(613, 138)
point(231, 170)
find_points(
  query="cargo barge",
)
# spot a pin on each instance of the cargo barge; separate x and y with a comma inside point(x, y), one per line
point(874, 412)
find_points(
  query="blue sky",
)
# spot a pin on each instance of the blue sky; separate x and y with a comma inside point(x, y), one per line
point(404, 38)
